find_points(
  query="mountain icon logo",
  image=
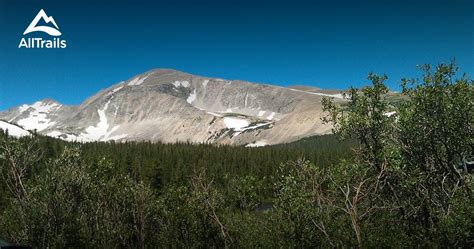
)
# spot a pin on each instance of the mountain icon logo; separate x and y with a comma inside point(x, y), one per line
point(47, 29)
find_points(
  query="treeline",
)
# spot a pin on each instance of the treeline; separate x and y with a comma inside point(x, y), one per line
point(395, 181)
point(161, 164)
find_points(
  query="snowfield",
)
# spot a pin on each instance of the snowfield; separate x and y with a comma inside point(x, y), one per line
point(13, 130)
point(240, 125)
point(101, 131)
point(23, 108)
point(38, 116)
point(54, 134)
point(236, 123)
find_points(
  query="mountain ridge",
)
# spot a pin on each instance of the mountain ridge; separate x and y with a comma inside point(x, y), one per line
point(168, 105)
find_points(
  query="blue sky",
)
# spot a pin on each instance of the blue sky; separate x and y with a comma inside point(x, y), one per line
point(329, 44)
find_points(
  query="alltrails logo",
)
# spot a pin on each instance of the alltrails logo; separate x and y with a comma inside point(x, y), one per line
point(38, 42)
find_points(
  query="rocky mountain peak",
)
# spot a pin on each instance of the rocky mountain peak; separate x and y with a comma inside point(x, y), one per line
point(169, 106)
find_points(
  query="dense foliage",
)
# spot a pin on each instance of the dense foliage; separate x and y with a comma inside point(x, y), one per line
point(139, 192)
point(395, 182)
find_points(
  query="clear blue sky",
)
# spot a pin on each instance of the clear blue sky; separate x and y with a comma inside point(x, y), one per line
point(330, 44)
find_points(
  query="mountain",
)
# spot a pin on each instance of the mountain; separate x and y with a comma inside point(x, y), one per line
point(170, 106)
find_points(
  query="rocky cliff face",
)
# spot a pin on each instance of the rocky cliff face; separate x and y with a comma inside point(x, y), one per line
point(170, 106)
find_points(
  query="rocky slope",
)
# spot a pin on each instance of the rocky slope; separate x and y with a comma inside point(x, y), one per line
point(170, 106)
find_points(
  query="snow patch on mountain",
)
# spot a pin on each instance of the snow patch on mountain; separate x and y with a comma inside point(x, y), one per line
point(178, 83)
point(54, 134)
point(74, 138)
point(101, 131)
point(116, 137)
point(116, 89)
point(13, 130)
point(204, 83)
point(137, 81)
point(23, 108)
point(251, 127)
point(68, 137)
point(192, 97)
point(241, 125)
point(236, 123)
point(38, 116)
point(261, 113)
point(256, 144)
point(337, 95)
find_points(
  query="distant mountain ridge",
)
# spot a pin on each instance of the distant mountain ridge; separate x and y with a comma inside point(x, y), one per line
point(172, 106)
